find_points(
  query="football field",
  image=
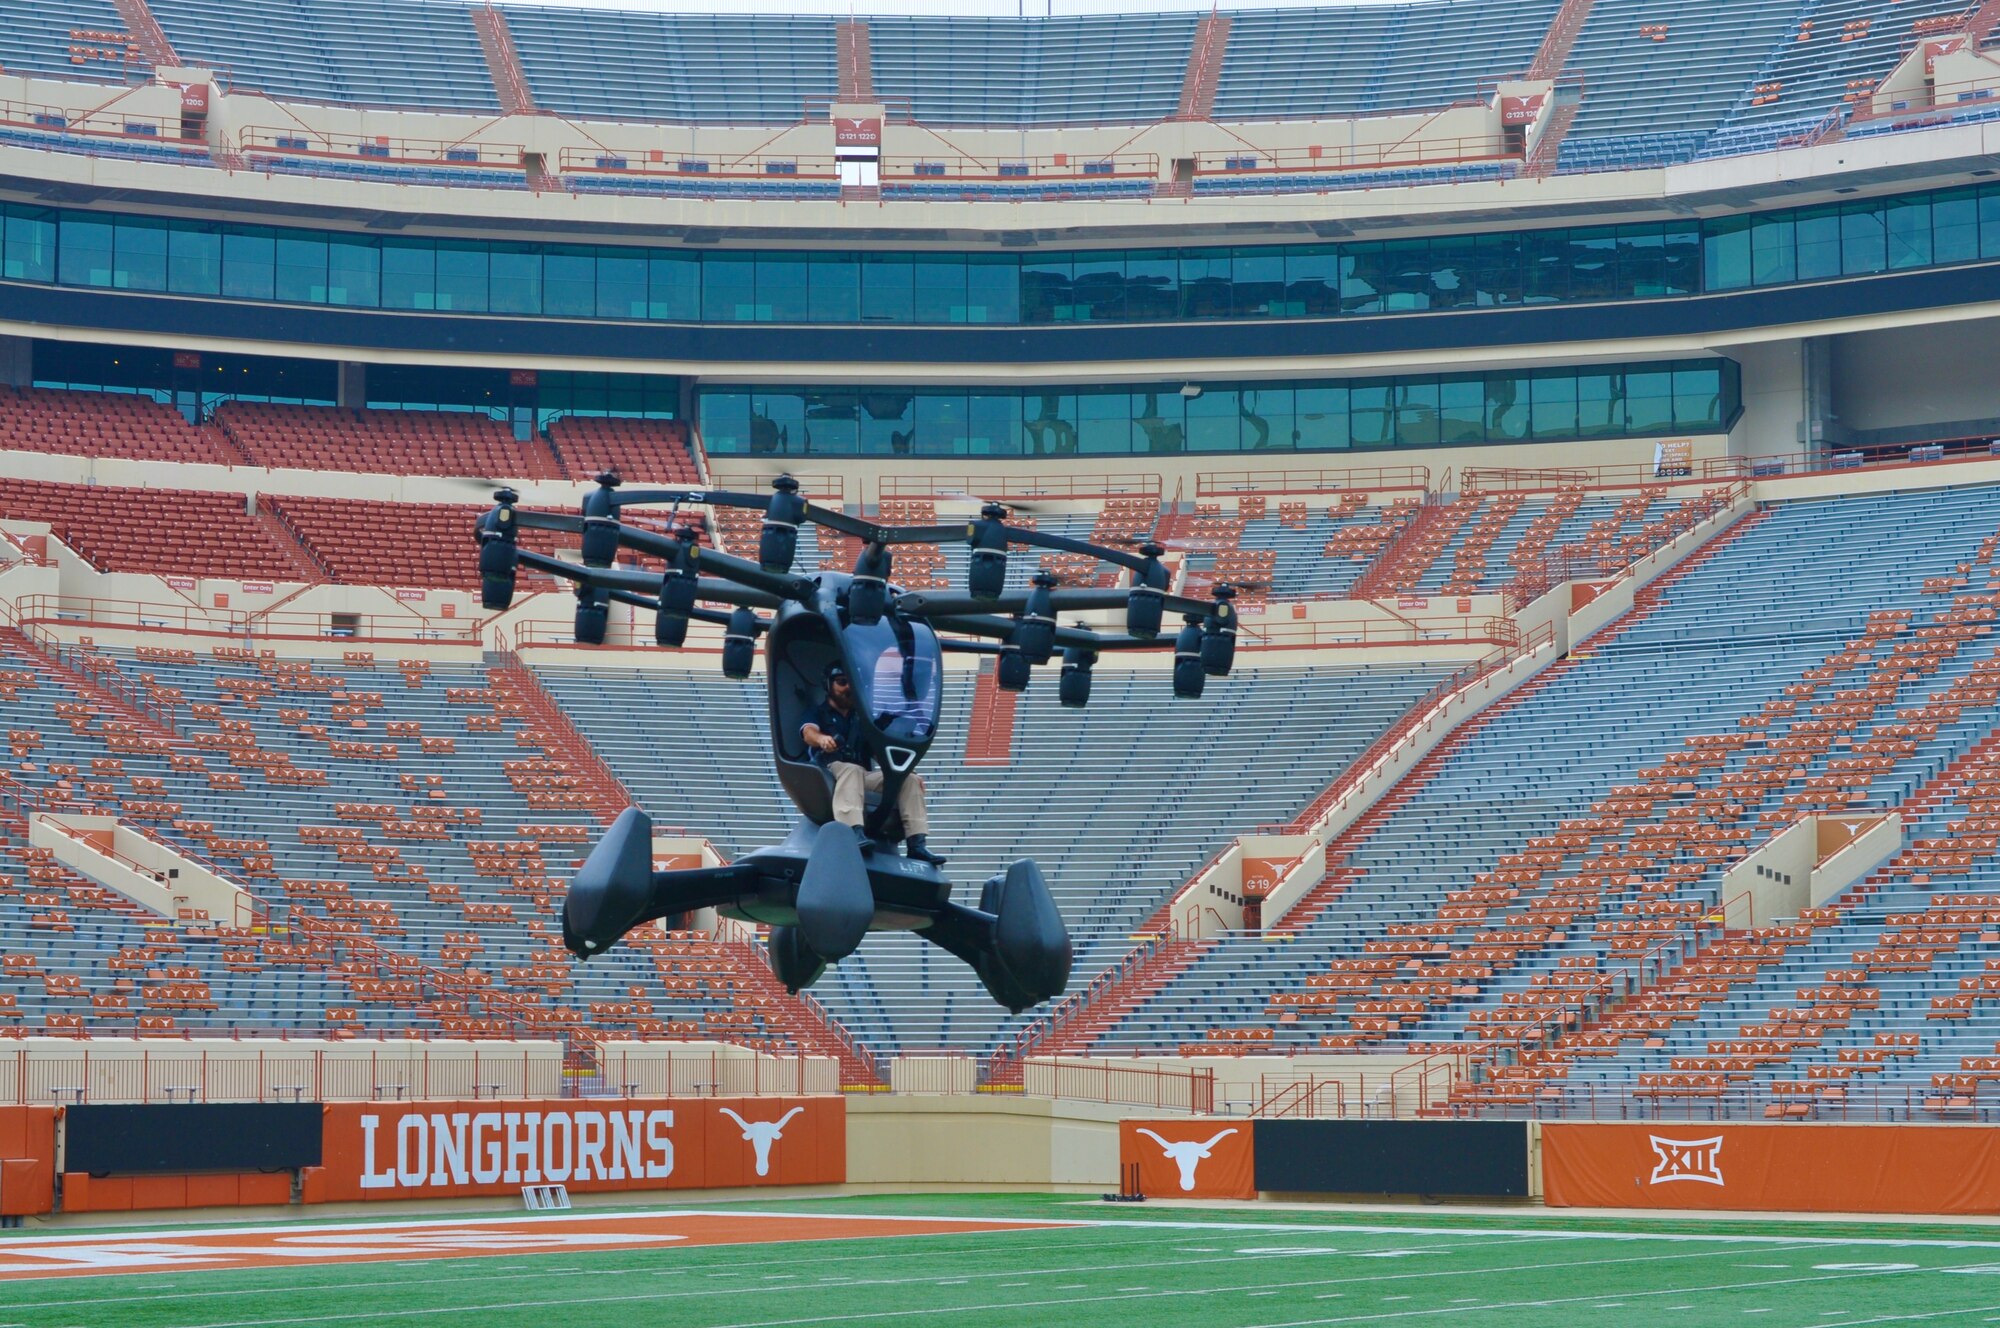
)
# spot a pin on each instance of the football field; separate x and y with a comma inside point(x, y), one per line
point(1003, 1260)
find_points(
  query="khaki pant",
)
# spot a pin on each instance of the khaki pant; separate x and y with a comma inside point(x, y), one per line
point(852, 785)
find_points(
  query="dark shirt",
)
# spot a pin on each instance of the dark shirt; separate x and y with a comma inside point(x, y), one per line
point(843, 729)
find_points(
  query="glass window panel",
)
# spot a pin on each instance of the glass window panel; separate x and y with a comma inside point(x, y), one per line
point(888, 421)
point(1367, 277)
point(1863, 236)
point(777, 422)
point(1462, 410)
point(725, 421)
point(1726, 255)
point(514, 280)
point(1103, 422)
point(1649, 401)
point(993, 423)
point(1681, 247)
point(1159, 422)
point(1954, 228)
point(832, 420)
point(1417, 413)
point(887, 289)
point(1205, 280)
point(1600, 405)
point(1258, 280)
point(1773, 251)
point(1499, 259)
point(1045, 295)
point(1593, 265)
point(1909, 230)
point(1214, 421)
point(941, 420)
point(939, 288)
point(1407, 271)
point(1553, 400)
point(1545, 266)
point(622, 281)
point(1267, 418)
point(729, 288)
point(834, 289)
point(464, 277)
point(409, 275)
point(1454, 271)
point(87, 251)
point(1320, 421)
point(673, 288)
point(1312, 282)
point(1097, 287)
point(1049, 423)
point(141, 254)
point(354, 273)
point(1507, 407)
point(1371, 414)
point(992, 288)
point(1152, 286)
point(1698, 398)
point(1818, 231)
point(31, 245)
point(569, 282)
point(783, 288)
point(301, 273)
point(249, 259)
point(1989, 221)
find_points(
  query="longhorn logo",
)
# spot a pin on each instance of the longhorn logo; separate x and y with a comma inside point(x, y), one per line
point(762, 1134)
point(1187, 1154)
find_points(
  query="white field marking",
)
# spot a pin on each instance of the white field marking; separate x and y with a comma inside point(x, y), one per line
point(477, 1271)
point(880, 1282)
point(1778, 1265)
point(1765, 1310)
point(1927, 1314)
point(1573, 1300)
point(1863, 1267)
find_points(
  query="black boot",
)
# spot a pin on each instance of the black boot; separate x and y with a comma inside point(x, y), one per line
point(915, 847)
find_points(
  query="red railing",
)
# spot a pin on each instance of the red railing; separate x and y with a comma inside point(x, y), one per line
point(1249, 163)
point(675, 1073)
point(824, 489)
point(1404, 1091)
point(1009, 488)
point(300, 141)
point(1425, 712)
point(1065, 1012)
point(1853, 1100)
point(1155, 1087)
point(1370, 479)
point(187, 619)
point(350, 1073)
point(101, 123)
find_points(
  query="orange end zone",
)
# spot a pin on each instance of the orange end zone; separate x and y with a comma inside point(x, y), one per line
point(153, 1251)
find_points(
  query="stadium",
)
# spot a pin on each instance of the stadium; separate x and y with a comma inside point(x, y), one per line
point(1555, 869)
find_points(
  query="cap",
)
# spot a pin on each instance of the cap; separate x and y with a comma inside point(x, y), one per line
point(835, 671)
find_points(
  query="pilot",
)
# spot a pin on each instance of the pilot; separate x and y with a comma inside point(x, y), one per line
point(833, 732)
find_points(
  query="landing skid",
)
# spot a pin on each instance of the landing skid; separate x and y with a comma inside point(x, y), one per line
point(820, 896)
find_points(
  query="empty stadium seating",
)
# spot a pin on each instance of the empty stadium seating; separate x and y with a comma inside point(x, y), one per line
point(385, 52)
point(1082, 69)
point(106, 424)
point(722, 69)
point(169, 531)
point(1689, 691)
point(395, 442)
point(655, 451)
point(36, 38)
point(1358, 60)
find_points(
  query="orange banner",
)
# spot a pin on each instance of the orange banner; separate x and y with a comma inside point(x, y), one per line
point(423, 1150)
point(1189, 1159)
point(27, 1160)
point(1802, 1168)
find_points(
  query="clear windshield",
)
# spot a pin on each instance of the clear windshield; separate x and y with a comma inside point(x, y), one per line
point(900, 693)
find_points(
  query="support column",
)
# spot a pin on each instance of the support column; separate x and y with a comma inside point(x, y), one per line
point(352, 386)
point(17, 362)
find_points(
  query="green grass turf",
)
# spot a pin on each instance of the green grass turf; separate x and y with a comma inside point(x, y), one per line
point(1205, 1268)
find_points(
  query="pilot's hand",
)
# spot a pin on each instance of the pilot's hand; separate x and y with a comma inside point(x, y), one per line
point(825, 742)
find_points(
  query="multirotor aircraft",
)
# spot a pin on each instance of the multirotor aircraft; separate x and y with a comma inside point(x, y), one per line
point(818, 891)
